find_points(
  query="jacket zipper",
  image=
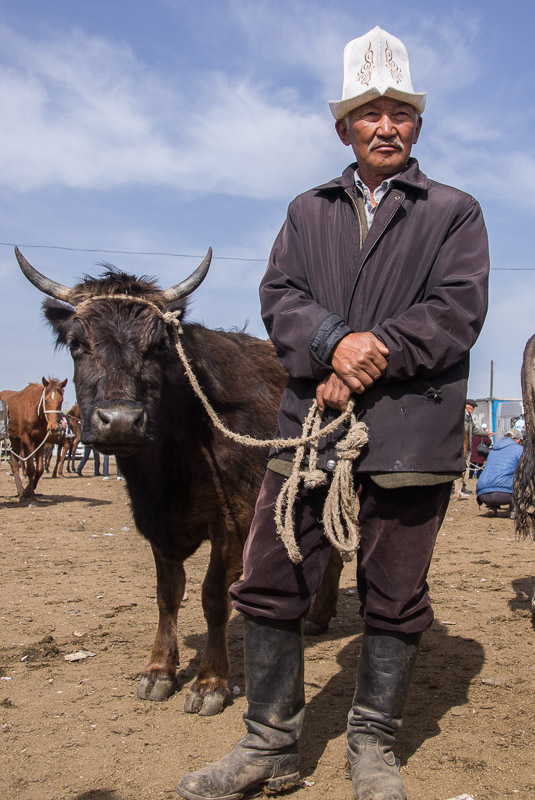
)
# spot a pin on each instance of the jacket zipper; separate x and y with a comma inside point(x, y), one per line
point(385, 225)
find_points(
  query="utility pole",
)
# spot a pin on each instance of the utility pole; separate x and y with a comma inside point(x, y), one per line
point(492, 409)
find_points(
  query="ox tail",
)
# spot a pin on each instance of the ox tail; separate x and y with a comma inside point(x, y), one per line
point(524, 491)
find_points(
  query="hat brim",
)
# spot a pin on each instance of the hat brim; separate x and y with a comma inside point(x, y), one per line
point(340, 108)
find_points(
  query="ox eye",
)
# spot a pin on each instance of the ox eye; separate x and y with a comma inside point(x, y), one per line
point(157, 348)
point(75, 346)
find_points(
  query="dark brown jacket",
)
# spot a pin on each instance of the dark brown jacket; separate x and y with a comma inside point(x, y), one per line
point(418, 281)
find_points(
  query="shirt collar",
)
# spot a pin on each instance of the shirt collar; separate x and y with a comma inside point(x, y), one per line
point(378, 194)
point(379, 191)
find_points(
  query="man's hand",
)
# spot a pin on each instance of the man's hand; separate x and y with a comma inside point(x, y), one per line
point(332, 392)
point(359, 360)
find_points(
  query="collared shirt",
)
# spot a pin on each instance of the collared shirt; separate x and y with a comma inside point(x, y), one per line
point(378, 194)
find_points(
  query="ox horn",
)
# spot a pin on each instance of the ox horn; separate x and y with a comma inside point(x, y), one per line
point(45, 285)
point(187, 286)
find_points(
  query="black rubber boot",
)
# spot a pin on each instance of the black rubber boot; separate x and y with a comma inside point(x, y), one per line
point(383, 677)
point(267, 755)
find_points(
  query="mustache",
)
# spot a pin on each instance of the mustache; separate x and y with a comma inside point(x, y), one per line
point(395, 142)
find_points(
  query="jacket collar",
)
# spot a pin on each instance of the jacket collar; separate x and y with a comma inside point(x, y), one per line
point(410, 176)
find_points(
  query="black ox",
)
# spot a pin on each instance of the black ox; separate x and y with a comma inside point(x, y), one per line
point(187, 482)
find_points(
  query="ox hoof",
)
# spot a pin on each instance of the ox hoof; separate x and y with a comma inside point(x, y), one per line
point(156, 690)
point(311, 628)
point(205, 705)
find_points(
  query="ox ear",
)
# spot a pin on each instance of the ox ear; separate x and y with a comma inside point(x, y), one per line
point(178, 307)
point(58, 316)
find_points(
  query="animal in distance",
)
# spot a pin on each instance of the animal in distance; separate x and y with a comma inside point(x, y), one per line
point(66, 441)
point(33, 417)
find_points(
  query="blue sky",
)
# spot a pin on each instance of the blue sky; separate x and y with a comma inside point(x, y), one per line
point(169, 126)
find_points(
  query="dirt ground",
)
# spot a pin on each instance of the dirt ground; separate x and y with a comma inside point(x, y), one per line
point(76, 576)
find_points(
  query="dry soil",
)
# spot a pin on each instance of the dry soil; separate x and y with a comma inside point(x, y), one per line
point(77, 577)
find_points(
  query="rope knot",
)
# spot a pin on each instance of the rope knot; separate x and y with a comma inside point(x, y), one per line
point(314, 478)
point(173, 318)
point(351, 445)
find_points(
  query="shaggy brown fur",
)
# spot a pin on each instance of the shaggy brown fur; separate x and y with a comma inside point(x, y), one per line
point(524, 488)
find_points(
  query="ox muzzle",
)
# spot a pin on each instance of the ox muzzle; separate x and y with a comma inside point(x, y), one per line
point(116, 427)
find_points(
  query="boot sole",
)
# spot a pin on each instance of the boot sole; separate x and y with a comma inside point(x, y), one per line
point(271, 786)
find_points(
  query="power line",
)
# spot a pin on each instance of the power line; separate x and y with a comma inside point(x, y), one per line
point(186, 255)
point(127, 252)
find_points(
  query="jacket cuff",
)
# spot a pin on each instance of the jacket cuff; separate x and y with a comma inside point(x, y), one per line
point(324, 339)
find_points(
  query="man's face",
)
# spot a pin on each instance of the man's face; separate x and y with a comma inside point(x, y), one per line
point(469, 408)
point(381, 134)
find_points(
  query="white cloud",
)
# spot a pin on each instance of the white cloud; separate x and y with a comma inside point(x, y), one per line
point(84, 113)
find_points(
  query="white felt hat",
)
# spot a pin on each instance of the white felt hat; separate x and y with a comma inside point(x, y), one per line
point(375, 64)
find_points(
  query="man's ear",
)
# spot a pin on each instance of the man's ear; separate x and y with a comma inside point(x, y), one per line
point(417, 129)
point(341, 129)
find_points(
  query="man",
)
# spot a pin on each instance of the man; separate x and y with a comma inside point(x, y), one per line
point(376, 288)
point(494, 488)
point(470, 430)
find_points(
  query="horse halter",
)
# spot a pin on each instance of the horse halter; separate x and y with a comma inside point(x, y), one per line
point(43, 405)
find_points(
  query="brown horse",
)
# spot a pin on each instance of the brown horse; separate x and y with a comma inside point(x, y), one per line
point(67, 448)
point(33, 417)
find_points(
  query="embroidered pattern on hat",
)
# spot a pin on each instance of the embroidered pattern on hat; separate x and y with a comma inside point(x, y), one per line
point(365, 72)
point(392, 66)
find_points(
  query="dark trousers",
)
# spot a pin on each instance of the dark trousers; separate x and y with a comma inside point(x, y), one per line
point(86, 457)
point(398, 530)
point(496, 499)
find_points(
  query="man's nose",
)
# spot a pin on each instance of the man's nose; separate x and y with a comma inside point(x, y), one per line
point(386, 127)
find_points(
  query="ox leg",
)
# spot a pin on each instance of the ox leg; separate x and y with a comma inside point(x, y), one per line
point(158, 679)
point(324, 606)
point(209, 692)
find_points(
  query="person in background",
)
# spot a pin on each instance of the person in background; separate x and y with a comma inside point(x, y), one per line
point(494, 487)
point(106, 469)
point(470, 430)
point(481, 446)
point(520, 424)
point(85, 459)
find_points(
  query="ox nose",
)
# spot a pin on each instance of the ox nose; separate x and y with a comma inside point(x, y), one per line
point(119, 423)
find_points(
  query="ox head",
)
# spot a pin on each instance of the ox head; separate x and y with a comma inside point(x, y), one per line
point(52, 401)
point(121, 348)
